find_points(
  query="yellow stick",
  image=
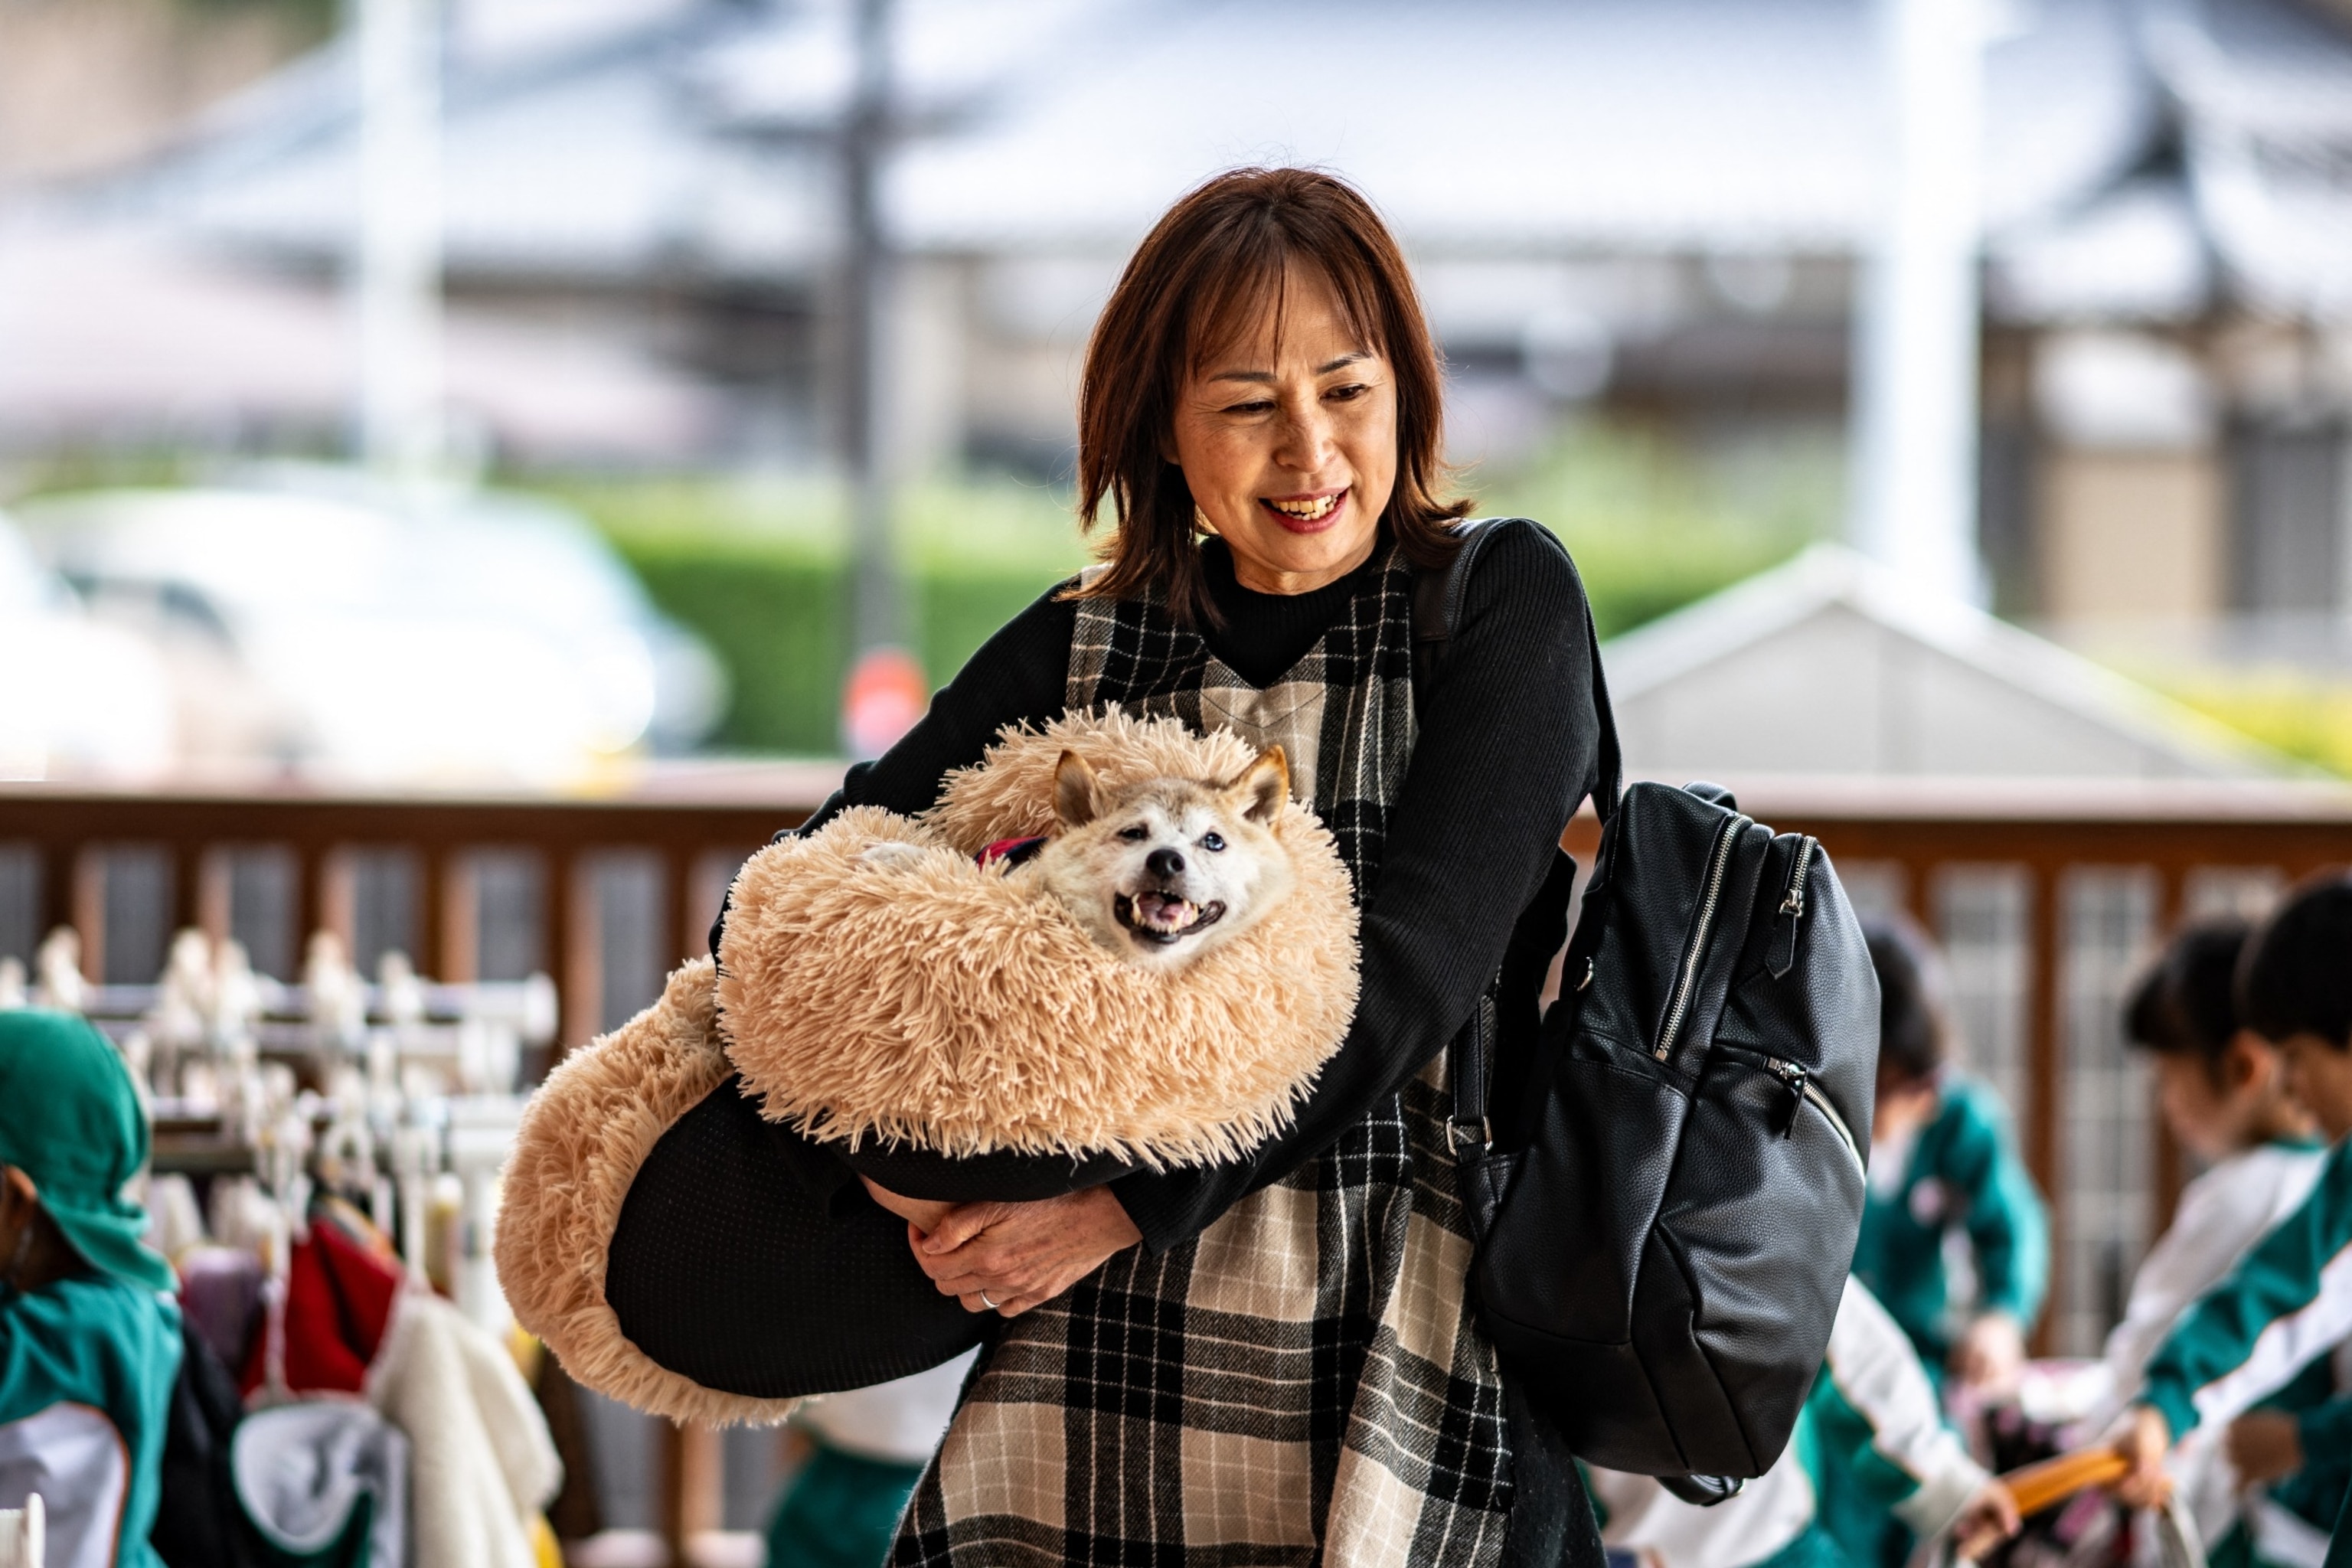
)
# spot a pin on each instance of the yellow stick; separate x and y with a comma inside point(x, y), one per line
point(2038, 1486)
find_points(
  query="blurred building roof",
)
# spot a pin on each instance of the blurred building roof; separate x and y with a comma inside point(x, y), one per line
point(2127, 140)
point(1832, 665)
point(139, 333)
point(690, 133)
point(1608, 126)
point(579, 152)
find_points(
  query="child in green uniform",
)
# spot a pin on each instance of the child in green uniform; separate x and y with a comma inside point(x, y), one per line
point(90, 1343)
point(1943, 1163)
point(2224, 1093)
point(1943, 1168)
point(2288, 1304)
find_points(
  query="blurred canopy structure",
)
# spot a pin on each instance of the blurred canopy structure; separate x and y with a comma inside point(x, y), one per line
point(1636, 211)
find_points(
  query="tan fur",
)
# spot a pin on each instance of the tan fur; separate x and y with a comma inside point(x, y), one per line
point(918, 996)
point(584, 1136)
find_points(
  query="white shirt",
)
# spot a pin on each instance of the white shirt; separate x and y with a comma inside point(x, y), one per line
point(901, 1421)
point(2221, 1216)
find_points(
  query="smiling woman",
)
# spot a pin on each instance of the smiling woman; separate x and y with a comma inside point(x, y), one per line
point(1271, 1358)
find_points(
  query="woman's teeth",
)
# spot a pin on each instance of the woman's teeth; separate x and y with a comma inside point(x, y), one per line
point(1313, 510)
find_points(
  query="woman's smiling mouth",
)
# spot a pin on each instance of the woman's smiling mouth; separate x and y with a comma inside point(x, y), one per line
point(1309, 513)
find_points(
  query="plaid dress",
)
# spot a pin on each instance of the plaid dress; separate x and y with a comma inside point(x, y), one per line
point(1301, 1382)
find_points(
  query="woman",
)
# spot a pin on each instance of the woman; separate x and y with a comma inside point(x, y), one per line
point(1271, 1362)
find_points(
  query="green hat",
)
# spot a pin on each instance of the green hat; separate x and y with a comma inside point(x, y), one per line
point(70, 1119)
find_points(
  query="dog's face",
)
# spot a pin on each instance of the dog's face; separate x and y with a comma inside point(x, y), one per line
point(1161, 871)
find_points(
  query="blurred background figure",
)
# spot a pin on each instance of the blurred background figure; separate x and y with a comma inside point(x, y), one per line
point(1955, 1239)
point(1946, 1187)
point(869, 1446)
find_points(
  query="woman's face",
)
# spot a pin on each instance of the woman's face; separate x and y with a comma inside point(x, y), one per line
point(1288, 443)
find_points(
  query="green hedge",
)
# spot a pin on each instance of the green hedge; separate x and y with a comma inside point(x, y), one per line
point(757, 568)
point(778, 620)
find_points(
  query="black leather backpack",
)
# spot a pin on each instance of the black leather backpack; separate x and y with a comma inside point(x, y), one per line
point(1669, 1184)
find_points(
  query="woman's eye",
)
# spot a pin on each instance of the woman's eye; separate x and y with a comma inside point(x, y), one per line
point(1348, 392)
point(1212, 842)
point(1258, 408)
point(1135, 835)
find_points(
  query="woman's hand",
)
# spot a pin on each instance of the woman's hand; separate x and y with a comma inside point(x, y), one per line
point(1008, 1257)
point(923, 1214)
point(2265, 1445)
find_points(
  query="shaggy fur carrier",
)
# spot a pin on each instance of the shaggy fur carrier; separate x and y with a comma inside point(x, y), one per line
point(941, 1006)
point(958, 1008)
point(584, 1137)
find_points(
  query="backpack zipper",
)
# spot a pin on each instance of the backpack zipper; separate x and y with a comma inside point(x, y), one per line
point(1800, 1083)
point(1717, 864)
point(1794, 904)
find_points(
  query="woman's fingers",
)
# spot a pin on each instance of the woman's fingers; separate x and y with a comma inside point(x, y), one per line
point(959, 1224)
point(1023, 1254)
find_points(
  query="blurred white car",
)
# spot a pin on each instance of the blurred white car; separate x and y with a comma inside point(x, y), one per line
point(438, 637)
point(81, 698)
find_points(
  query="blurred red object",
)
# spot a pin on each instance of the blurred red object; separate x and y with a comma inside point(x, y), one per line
point(885, 696)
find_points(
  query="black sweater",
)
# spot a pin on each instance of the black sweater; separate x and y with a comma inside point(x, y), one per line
point(1508, 745)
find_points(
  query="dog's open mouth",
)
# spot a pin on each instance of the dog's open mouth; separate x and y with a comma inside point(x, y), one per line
point(1163, 918)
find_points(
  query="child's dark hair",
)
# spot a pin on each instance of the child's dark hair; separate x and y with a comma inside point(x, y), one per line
point(2186, 1004)
point(1914, 1027)
point(2296, 976)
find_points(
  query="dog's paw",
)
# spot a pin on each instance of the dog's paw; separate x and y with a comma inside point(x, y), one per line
point(892, 854)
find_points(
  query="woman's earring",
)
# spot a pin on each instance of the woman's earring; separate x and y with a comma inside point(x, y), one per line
point(1200, 523)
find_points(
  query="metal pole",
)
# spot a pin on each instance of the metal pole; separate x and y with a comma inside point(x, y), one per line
point(1913, 489)
point(885, 688)
point(396, 276)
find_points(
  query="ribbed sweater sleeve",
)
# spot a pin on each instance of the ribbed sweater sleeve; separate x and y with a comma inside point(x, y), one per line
point(1509, 745)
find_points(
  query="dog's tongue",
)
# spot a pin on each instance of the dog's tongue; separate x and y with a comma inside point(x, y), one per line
point(1162, 912)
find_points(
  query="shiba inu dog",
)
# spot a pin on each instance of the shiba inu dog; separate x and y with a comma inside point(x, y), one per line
point(1163, 872)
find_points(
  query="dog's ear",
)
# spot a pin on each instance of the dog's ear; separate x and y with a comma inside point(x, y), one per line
point(1078, 796)
point(1263, 785)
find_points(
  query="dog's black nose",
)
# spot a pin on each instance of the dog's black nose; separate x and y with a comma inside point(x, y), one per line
point(1164, 863)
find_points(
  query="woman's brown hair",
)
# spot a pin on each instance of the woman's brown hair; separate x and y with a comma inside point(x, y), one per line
point(1217, 259)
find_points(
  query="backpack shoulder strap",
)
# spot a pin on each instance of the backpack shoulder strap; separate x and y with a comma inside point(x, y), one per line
point(1438, 599)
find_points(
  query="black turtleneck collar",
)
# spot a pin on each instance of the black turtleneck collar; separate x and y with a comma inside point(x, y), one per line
point(1264, 634)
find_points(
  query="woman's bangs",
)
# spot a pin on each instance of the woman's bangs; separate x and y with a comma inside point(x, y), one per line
point(1242, 289)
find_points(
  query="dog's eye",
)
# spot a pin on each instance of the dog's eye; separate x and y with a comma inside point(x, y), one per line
point(1212, 842)
point(1135, 835)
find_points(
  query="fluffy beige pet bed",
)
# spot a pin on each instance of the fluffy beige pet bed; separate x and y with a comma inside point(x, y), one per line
point(958, 1008)
point(584, 1136)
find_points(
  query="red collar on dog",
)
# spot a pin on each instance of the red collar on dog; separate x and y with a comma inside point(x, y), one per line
point(1011, 852)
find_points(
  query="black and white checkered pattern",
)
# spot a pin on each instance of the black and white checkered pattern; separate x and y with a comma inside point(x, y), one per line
point(1301, 1382)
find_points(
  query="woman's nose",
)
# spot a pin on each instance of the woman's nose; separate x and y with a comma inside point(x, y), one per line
point(1306, 441)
